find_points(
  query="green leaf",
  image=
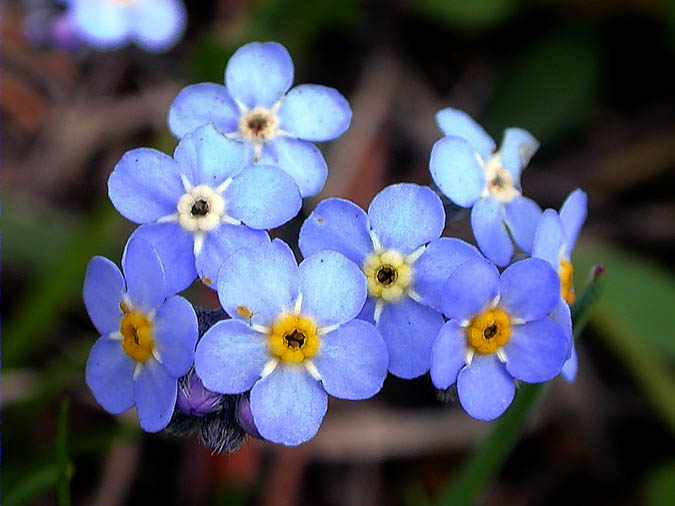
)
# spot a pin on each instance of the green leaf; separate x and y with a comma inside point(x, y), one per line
point(660, 489)
point(470, 16)
point(62, 458)
point(39, 481)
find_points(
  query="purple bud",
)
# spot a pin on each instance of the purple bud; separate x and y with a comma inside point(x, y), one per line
point(64, 34)
point(245, 417)
point(194, 399)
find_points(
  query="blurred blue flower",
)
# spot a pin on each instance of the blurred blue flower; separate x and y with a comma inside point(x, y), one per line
point(198, 207)
point(292, 339)
point(155, 25)
point(500, 329)
point(255, 106)
point(554, 241)
point(405, 275)
point(148, 336)
point(470, 173)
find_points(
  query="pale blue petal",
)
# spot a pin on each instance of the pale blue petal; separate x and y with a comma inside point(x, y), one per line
point(353, 361)
point(263, 197)
point(484, 388)
point(409, 329)
point(405, 216)
point(456, 171)
point(299, 159)
point(537, 351)
point(522, 216)
point(563, 317)
point(158, 24)
point(338, 225)
point(518, 146)
point(103, 25)
point(459, 124)
point(573, 215)
point(109, 376)
point(571, 366)
point(448, 355)
point(315, 113)
point(333, 288)
point(530, 289)
point(144, 272)
point(489, 229)
point(230, 357)
point(155, 394)
point(203, 104)
point(288, 406)
point(176, 335)
point(549, 239)
point(258, 74)
point(103, 291)
point(470, 289)
point(145, 185)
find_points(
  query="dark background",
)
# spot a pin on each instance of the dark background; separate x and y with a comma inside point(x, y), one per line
point(593, 80)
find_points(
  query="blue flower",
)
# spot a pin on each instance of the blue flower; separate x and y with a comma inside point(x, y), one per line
point(148, 336)
point(193, 207)
point(405, 277)
point(155, 25)
point(554, 242)
point(292, 339)
point(255, 106)
point(500, 329)
point(470, 173)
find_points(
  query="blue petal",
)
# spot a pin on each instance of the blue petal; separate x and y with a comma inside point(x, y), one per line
point(203, 104)
point(570, 368)
point(315, 113)
point(563, 317)
point(484, 388)
point(409, 329)
point(264, 280)
point(405, 216)
point(518, 146)
point(158, 26)
point(487, 223)
point(338, 225)
point(144, 272)
point(470, 289)
point(530, 289)
point(220, 244)
point(436, 264)
point(109, 376)
point(145, 185)
point(459, 124)
point(288, 406)
point(207, 157)
point(573, 215)
point(456, 171)
point(299, 159)
point(368, 312)
point(353, 361)
point(537, 351)
point(258, 74)
point(175, 249)
point(155, 394)
point(333, 288)
point(102, 25)
point(103, 291)
point(448, 355)
point(549, 238)
point(176, 335)
point(522, 216)
point(230, 357)
point(263, 197)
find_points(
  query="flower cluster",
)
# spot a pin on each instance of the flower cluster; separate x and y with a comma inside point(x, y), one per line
point(378, 291)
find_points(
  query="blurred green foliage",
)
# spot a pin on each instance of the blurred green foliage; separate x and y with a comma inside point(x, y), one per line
point(473, 16)
point(660, 486)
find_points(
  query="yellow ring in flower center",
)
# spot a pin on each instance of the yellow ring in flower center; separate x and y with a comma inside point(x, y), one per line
point(489, 331)
point(566, 273)
point(138, 340)
point(293, 339)
point(388, 274)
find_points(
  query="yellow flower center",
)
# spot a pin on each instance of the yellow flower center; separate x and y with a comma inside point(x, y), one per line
point(293, 339)
point(566, 273)
point(389, 275)
point(137, 335)
point(489, 331)
point(258, 125)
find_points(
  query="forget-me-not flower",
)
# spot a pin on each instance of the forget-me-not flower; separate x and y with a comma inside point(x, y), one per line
point(198, 207)
point(554, 242)
point(255, 106)
point(148, 336)
point(500, 329)
point(292, 339)
point(468, 170)
point(398, 248)
point(155, 25)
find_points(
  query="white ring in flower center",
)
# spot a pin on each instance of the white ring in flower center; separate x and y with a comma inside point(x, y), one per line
point(259, 124)
point(200, 209)
point(499, 183)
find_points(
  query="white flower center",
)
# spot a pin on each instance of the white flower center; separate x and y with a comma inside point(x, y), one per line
point(499, 183)
point(200, 209)
point(259, 124)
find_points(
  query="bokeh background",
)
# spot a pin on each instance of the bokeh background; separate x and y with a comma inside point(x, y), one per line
point(593, 80)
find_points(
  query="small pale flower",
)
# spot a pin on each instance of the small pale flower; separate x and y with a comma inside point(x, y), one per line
point(468, 170)
point(256, 107)
point(500, 329)
point(296, 342)
point(398, 248)
point(148, 336)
